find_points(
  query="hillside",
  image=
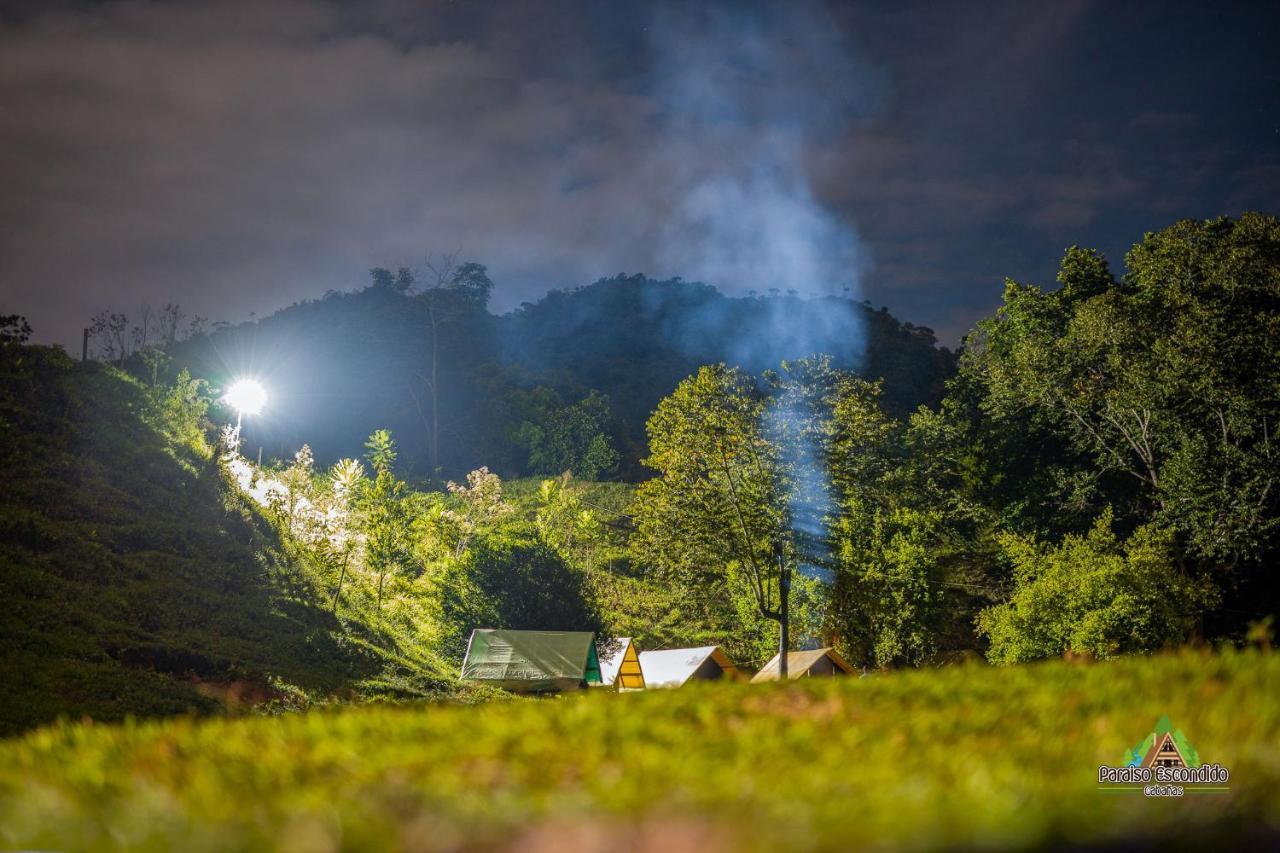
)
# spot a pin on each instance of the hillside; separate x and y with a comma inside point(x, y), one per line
point(135, 581)
point(634, 339)
point(510, 389)
point(885, 761)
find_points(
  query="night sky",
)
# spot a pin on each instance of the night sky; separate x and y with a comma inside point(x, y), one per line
point(239, 156)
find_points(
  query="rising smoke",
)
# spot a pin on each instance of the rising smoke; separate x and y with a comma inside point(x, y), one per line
point(746, 92)
point(755, 87)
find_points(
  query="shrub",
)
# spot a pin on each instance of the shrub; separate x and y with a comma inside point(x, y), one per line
point(1093, 594)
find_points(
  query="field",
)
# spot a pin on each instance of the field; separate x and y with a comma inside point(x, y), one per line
point(965, 756)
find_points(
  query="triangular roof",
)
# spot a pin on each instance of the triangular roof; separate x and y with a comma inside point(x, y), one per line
point(673, 667)
point(529, 661)
point(799, 664)
point(621, 661)
point(1159, 750)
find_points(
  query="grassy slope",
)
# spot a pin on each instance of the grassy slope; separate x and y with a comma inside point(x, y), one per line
point(964, 756)
point(128, 571)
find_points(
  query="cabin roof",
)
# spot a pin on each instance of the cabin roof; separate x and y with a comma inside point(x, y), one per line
point(611, 662)
point(799, 663)
point(1157, 745)
point(531, 660)
point(673, 667)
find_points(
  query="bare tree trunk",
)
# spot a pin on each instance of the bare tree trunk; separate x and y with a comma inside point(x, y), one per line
point(435, 396)
point(341, 576)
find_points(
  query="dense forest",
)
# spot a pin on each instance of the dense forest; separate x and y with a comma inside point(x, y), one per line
point(1093, 475)
point(562, 384)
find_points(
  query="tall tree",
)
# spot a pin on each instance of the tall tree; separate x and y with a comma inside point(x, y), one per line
point(449, 293)
point(715, 519)
point(1168, 376)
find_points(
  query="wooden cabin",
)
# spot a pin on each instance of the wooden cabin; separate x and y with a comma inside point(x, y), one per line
point(532, 661)
point(1164, 752)
point(677, 667)
point(620, 665)
point(815, 663)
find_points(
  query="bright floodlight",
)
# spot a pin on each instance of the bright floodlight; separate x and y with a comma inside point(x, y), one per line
point(246, 396)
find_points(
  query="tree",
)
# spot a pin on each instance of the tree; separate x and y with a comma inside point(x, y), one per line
point(1167, 376)
point(401, 282)
point(714, 520)
point(562, 438)
point(110, 331)
point(478, 506)
point(385, 516)
point(450, 292)
point(14, 329)
point(512, 580)
point(297, 483)
point(170, 322)
point(573, 529)
point(1094, 595)
point(886, 600)
point(347, 479)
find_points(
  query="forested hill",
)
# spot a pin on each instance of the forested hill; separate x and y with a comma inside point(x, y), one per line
point(565, 383)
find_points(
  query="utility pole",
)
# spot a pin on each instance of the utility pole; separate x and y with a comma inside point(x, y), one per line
point(84, 347)
point(784, 613)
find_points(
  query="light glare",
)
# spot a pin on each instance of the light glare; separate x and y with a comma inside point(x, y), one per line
point(246, 396)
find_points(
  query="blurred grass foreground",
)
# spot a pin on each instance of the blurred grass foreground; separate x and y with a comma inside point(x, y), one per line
point(966, 756)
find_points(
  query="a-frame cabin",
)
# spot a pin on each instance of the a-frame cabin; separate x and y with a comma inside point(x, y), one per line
point(620, 665)
point(1164, 752)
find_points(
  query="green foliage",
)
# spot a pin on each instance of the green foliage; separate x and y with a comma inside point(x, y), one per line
point(886, 601)
point(886, 762)
point(136, 582)
point(714, 521)
point(381, 451)
point(1167, 377)
point(1146, 403)
point(560, 438)
point(179, 412)
point(472, 281)
point(513, 580)
point(384, 516)
point(420, 354)
point(14, 329)
point(1093, 595)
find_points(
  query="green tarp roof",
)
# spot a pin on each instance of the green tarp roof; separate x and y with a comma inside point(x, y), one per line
point(532, 660)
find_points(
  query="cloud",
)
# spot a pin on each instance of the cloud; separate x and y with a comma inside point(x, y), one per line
point(245, 155)
point(238, 156)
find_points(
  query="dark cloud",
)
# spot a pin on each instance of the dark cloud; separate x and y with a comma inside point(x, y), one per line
point(237, 156)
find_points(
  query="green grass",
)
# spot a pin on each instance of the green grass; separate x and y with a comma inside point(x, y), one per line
point(135, 580)
point(965, 756)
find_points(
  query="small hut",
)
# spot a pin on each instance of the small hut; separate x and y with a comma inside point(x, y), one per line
point(620, 665)
point(531, 661)
point(676, 667)
point(816, 663)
